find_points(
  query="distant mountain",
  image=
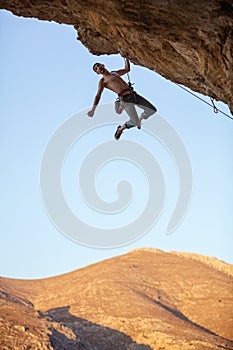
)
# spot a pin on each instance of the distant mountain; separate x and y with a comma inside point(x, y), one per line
point(146, 299)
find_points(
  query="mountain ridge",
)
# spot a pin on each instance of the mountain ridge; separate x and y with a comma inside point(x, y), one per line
point(145, 299)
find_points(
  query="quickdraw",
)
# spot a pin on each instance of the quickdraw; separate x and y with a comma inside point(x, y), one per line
point(214, 107)
point(119, 103)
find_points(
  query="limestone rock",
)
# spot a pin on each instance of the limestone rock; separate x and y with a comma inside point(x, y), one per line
point(188, 42)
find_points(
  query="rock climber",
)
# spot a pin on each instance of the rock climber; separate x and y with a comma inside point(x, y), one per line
point(127, 96)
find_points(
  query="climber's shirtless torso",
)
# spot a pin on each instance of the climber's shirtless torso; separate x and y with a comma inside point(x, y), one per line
point(111, 81)
point(114, 82)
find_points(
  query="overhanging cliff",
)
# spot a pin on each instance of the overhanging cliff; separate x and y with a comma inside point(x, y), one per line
point(188, 42)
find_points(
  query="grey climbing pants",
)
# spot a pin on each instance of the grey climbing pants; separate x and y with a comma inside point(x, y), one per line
point(129, 103)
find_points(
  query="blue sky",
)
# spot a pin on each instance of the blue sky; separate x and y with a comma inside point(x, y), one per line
point(47, 77)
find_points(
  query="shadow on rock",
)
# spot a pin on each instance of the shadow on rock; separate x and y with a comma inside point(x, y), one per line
point(89, 335)
point(60, 341)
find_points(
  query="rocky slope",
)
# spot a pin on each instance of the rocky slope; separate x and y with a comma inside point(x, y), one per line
point(144, 300)
point(188, 42)
point(22, 327)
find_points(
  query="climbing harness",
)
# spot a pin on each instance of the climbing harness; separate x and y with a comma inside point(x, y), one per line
point(216, 110)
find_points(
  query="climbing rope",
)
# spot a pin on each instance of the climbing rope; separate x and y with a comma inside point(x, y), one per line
point(129, 82)
point(212, 105)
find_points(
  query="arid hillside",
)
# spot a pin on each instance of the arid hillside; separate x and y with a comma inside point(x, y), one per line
point(146, 299)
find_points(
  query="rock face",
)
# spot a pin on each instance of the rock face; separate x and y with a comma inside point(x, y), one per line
point(144, 300)
point(188, 42)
